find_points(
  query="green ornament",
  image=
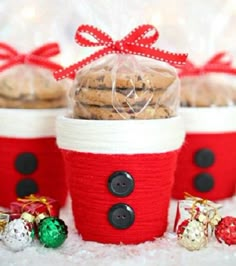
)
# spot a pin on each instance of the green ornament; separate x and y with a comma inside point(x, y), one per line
point(52, 232)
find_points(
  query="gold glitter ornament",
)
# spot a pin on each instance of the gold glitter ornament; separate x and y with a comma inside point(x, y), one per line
point(192, 234)
point(4, 219)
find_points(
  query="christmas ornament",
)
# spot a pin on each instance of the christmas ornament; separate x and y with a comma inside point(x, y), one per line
point(192, 234)
point(4, 219)
point(52, 231)
point(209, 218)
point(215, 219)
point(226, 230)
point(19, 233)
point(36, 204)
point(203, 216)
point(203, 210)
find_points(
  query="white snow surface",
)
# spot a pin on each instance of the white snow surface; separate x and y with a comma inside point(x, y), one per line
point(164, 251)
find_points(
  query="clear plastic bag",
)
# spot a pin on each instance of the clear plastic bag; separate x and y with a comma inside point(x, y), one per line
point(121, 86)
point(203, 29)
point(32, 87)
point(26, 27)
point(208, 90)
point(125, 87)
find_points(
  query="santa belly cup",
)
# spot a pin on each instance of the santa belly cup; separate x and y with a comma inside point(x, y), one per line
point(30, 100)
point(30, 161)
point(206, 166)
point(120, 175)
point(122, 137)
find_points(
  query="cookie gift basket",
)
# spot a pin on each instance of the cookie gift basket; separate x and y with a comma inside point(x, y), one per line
point(121, 139)
point(30, 100)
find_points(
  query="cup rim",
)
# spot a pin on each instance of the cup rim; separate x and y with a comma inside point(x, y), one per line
point(120, 136)
point(209, 119)
point(28, 123)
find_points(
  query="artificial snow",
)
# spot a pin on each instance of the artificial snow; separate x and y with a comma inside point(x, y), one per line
point(164, 251)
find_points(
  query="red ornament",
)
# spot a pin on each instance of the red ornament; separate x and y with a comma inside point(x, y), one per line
point(226, 230)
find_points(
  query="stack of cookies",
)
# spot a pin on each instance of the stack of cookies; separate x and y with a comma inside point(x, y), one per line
point(30, 101)
point(208, 91)
point(104, 94)
point(29, 87)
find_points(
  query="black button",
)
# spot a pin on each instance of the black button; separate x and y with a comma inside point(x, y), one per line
point(204, 182)
point(121, 184)
point(26, 163)
point(121, 216)
point(204, 158)
point(25, 187)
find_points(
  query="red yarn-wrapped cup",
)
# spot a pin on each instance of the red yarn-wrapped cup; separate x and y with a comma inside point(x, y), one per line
point(206, 164)
point(120, 175)
point(30, 161)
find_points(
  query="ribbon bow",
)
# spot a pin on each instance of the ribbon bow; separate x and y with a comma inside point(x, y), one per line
point(219, 63)
point(33, 199)
point(37, 57)
point(137, 42)
point(211, 217)
point(196, 200)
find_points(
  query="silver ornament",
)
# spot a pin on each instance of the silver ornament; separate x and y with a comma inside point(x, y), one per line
point(194, 235)
point(18, 234)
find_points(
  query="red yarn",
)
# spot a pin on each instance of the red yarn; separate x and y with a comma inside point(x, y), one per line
point(49, 174)
point(91, 200)
point(223, 170)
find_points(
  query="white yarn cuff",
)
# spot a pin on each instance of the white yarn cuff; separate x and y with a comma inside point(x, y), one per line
point(28, 123)
point(120, 136)
point(209, 119)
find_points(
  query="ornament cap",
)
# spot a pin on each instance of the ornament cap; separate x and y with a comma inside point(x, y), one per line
point(40, 217)
point(4, 216)
point(28, 217)
point(4, 219)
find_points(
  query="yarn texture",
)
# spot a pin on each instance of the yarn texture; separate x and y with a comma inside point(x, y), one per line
point(49, 174)
point(88, 176)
